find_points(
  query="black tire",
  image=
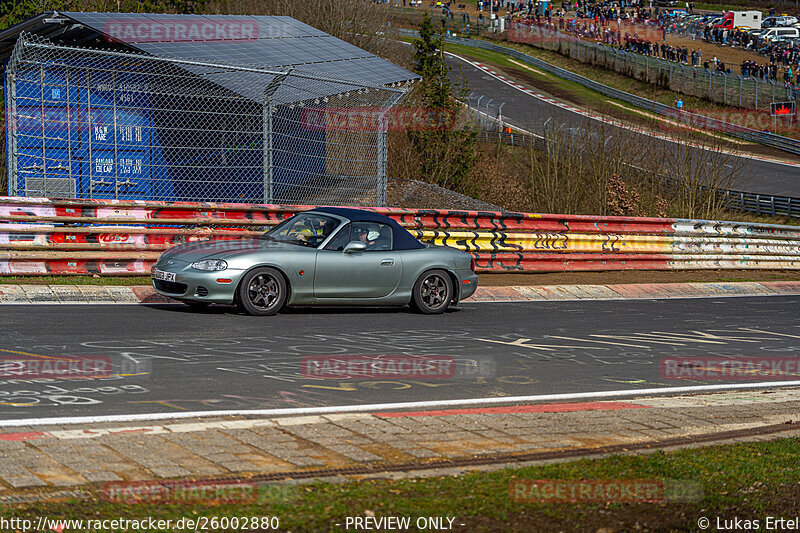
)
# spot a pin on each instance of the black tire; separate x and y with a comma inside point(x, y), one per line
point(198, 306)
point(432, 292)
point(262, 292)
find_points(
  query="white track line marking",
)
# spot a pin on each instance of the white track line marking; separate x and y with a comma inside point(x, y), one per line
point(627, 299)
point(411, 406)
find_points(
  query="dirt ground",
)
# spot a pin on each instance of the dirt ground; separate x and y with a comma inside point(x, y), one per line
point(633, 276)
point(731, 56)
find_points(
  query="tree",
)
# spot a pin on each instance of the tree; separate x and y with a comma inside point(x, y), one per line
point(447, 145)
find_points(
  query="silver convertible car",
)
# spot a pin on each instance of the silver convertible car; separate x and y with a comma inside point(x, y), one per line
point(326, 256)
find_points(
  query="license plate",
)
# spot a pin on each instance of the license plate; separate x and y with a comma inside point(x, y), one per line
point(163, 276)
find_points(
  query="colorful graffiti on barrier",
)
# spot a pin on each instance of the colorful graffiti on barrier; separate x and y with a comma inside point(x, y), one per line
point(110, 237)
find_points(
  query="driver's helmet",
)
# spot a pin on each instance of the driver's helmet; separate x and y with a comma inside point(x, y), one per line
point(304, 228)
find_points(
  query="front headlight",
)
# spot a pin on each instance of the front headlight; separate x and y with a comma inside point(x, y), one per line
point(210, 265)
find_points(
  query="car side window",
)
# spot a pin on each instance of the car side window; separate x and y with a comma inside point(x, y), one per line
point(384, 240)
point(340, 240)
point(376, 236)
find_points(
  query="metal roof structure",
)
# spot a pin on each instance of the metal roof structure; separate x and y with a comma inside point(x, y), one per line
point(273, 42)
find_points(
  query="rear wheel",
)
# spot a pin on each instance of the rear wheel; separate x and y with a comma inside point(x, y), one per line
point(432, 292)
point(262, 292)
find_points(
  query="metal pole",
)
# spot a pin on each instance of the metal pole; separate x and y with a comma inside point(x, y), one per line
point(380, 192)
point(116, 152)
point(725, 89)
point(382, 152)
point(13, 185)
point(41, 118)
point(269, 186)
point(69, 134)
point(266, 132)
point(89, 126)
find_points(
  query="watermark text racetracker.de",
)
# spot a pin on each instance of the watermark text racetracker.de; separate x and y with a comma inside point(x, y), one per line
point(178, 29)
point(63, 367)
point(181, 492)
point(604, 490)
point(374, 119)
point(393, 367)
point(730, 368)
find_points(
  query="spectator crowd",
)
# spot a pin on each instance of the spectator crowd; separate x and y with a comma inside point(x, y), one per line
point(619, 25)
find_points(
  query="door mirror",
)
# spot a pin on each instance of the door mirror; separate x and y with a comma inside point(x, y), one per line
point(355, 246)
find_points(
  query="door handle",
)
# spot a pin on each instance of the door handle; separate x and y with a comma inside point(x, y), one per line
point(387, 262)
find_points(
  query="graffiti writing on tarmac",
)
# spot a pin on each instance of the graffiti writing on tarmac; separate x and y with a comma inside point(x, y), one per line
point(54, 395)
point(640, 347)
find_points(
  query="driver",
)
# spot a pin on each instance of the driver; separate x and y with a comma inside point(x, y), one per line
point(367, 236)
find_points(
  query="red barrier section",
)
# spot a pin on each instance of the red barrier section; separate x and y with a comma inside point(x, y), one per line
point(108, 237)
point(207, 213)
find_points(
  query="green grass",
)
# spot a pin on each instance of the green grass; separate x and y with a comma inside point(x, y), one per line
point(743, 5)
point(753, 478)
point(588, 97)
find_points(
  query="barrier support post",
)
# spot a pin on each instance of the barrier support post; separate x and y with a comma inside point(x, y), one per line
point(266, 127)
point(11, 144)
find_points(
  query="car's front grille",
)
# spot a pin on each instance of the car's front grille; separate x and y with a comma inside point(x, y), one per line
point(170, 286)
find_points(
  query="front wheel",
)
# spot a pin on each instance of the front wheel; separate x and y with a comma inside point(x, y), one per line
point(432, 292)
point(262, 292)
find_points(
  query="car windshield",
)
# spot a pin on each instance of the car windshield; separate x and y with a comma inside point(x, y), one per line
point(304, 229)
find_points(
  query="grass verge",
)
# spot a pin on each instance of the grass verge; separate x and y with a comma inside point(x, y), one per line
point(578, 94)
point(748, 481)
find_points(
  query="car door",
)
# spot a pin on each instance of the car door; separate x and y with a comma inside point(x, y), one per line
point(373, 273)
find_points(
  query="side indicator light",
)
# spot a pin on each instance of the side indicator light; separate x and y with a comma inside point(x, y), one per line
point(223, 280)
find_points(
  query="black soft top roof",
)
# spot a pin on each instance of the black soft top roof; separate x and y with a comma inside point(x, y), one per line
point(403, 240)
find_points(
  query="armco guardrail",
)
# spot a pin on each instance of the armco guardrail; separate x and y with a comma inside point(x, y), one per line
point(691, 119)
point(746, 202)
point(55, 236)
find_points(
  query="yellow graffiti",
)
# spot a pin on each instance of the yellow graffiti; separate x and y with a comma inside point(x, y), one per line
point(498, 241)
point(36, 355)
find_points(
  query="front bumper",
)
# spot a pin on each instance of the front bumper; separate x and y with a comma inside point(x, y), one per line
point(192, 285)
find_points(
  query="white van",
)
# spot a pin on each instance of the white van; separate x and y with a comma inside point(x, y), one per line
point(782, 32)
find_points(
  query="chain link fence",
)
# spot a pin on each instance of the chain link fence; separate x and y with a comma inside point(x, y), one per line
point(3, 150)
point(716, 86)
point(90, 123)
point(695, 120)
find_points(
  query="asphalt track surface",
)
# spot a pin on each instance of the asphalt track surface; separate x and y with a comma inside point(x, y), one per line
point(530, 113)
point(167, 359)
